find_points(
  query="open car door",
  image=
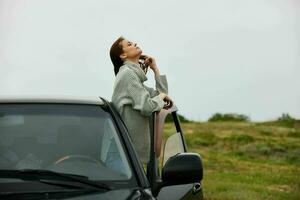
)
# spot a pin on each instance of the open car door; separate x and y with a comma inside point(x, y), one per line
point(172, 171)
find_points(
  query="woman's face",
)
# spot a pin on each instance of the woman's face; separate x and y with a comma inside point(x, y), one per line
point(130, 50)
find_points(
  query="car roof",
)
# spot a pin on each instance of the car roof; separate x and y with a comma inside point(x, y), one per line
point(52, 99)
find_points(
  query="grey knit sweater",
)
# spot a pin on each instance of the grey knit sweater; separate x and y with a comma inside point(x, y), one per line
point(136, 102)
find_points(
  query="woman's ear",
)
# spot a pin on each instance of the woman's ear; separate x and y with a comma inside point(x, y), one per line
point(123, 56)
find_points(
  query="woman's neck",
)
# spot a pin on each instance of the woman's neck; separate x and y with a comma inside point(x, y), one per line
point(134, 60)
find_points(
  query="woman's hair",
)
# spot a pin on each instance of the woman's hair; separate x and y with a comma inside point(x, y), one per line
point(115, 51)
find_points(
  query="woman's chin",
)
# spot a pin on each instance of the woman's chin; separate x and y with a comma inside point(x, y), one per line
point(140, 53)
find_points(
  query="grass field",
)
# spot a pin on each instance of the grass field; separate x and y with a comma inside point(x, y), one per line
point(246, 160)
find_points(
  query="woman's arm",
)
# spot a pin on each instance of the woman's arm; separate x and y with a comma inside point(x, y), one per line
point(141, 99)
point(161, 85)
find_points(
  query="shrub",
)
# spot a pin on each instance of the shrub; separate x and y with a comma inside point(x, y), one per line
point(229, 117)
point(285, 117)
point(286, 120)
point(181, 118)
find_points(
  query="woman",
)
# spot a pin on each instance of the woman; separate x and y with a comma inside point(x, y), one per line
point(134, 101)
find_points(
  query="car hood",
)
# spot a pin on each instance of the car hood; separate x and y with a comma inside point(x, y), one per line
point(117, 195)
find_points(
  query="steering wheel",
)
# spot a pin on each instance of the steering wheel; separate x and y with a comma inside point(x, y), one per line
point(77, 157)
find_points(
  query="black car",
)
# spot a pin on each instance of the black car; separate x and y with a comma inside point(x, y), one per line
point(79, 148)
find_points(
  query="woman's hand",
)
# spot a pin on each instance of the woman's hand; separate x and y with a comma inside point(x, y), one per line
point(150, 61)
point(169, 102)
point(162, 95)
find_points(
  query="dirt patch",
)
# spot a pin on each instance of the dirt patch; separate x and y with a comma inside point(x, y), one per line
point(280, 188)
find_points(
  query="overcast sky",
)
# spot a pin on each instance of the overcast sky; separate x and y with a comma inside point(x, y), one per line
point(233, 56)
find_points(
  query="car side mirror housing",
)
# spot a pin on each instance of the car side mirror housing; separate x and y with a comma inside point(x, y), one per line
point(182, 168)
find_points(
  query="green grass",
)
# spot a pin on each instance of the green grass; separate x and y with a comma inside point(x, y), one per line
point(244, 160)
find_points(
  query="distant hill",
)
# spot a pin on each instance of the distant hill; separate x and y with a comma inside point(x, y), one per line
point(285, 120)
point(246, 160)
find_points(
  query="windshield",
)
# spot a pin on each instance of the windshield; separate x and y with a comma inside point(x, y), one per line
point(66, 138)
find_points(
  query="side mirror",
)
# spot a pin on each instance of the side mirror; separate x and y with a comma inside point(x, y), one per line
point(183, 168)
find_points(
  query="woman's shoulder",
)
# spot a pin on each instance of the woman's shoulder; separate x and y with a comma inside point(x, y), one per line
point(126, 73)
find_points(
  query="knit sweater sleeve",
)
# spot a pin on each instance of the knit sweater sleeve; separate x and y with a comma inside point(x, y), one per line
point(141, 99)
point(161, 85)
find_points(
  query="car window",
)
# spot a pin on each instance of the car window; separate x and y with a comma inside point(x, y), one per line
point(173, 146)
point(68, 138)
point(171, 141)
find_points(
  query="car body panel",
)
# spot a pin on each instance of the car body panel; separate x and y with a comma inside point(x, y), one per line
point(52, 99)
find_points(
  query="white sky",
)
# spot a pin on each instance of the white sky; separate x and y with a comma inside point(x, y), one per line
point(240, 56)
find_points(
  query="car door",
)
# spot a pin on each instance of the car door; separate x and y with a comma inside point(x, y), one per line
point(170, 138)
